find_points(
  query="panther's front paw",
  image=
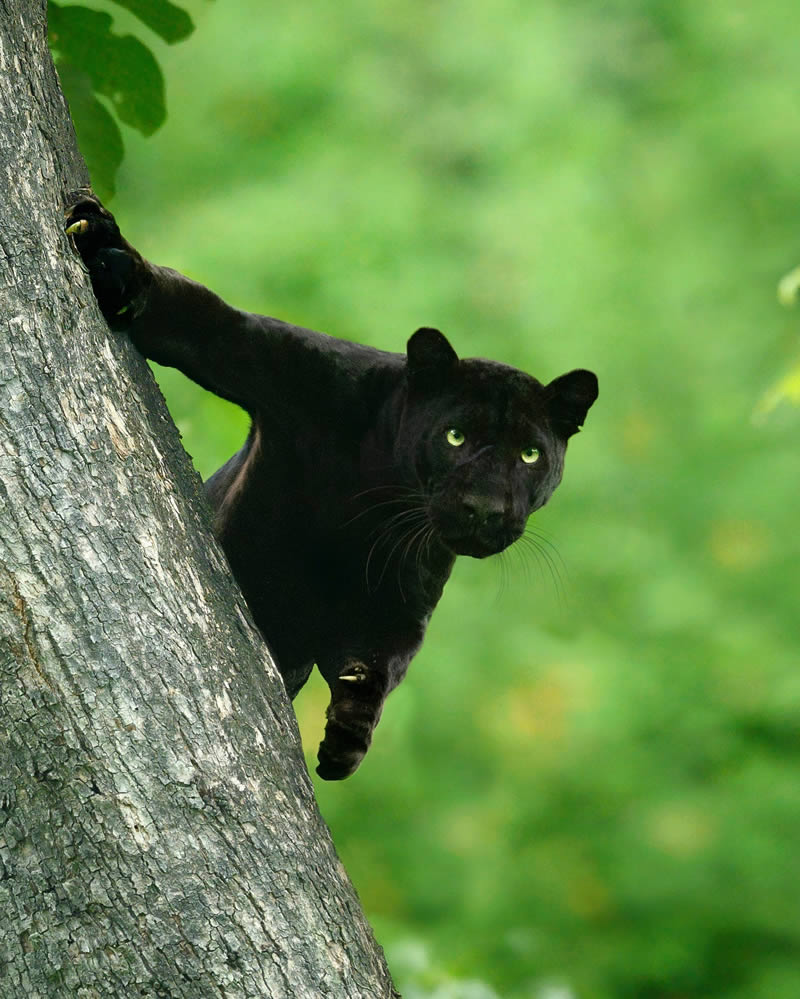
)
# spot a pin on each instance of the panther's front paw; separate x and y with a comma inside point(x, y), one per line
point(91, 226)
point(117, 271)
point(357, 696)
point(339, 755)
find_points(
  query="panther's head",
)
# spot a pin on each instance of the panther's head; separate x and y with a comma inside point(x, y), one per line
point(486, 442)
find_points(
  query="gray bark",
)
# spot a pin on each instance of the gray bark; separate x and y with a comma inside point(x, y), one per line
point(158, 830)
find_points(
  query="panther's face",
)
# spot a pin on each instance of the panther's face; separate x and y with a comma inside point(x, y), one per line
point(486, 442)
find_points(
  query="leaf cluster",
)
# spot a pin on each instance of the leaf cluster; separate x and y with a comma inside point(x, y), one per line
point(110, 78)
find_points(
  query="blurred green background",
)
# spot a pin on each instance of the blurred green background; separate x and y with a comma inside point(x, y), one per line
point(588, 787)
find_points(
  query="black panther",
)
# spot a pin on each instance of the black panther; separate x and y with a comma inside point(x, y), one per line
point(364, 474)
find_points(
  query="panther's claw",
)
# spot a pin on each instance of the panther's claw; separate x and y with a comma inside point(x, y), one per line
point(80, 226)
point(357, 674)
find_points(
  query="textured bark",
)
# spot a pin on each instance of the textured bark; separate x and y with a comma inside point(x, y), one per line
point(158, 829)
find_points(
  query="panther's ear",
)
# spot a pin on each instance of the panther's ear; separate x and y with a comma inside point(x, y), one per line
point(431, 359)
point(568, 400)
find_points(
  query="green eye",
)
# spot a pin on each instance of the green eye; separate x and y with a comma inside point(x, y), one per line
point(530, 455)
point(455, 437)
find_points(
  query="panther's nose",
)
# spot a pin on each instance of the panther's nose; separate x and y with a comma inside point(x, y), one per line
point(484, 511)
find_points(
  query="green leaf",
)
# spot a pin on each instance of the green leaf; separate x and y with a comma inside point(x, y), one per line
point(789, 288)
point(120, 68)
point(785, 389)
point(168, 21)
point(98, 133)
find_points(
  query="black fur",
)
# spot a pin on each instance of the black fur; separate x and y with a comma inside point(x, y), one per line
point(364, 475)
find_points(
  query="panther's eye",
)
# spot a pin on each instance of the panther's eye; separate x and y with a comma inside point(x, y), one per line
point(455, 437)
point(530, 455)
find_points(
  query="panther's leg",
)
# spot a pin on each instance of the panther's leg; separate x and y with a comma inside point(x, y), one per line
point(358, 693)
point(171, 319)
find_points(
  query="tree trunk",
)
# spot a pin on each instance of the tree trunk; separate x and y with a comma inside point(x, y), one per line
point(159, 835)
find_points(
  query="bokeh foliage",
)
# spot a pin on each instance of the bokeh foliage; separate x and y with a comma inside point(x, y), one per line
point(589, 784)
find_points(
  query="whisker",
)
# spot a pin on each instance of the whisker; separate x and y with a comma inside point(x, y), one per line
point(540, 536)
point(399, 500)
point(386, 488)
point(395, 531)
point(518, 551)
point(549, 558)
point(397, 520)
point(414, 538)
point(502, 567)
point(409, 530)
point(424, 549)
